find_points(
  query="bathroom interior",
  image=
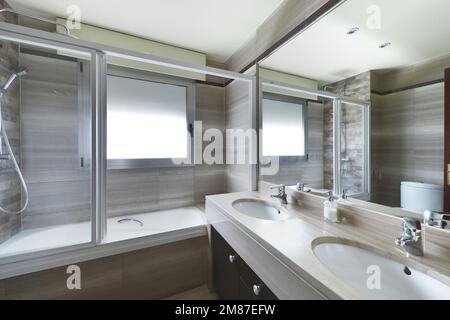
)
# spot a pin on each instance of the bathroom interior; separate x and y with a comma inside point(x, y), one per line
point(106, 128)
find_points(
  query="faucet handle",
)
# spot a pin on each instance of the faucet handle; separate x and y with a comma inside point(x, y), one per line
point(281, 188)
point(344, 194)
point(411, 238)
point(435, 218)
point(331, 195)
point(412, 226)
point(412, 223)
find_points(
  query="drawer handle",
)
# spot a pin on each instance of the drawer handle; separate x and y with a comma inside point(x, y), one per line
point(257, 289)
point(232, 258)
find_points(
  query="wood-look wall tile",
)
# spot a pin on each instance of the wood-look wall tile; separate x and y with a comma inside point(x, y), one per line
point(409, 145)
point(152, 273)
point(60, 190)
point(2, 290)
point(176, 188)
point(49, 284)
point(208, 180)
point(101, 279)
point(132, 191)
point(237, 117)
point(165, 270)
point(9, 183)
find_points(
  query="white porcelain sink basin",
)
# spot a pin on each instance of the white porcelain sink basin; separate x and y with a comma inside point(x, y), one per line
point(359, 268)
point(261, 209)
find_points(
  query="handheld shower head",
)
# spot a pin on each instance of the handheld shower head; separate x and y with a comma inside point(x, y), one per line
point(18, 72)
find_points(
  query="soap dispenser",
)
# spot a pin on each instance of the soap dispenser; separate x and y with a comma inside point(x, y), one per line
point(330, 212)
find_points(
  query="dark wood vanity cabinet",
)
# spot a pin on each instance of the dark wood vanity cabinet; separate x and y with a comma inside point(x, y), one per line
point(232, 277)
point(225, 267)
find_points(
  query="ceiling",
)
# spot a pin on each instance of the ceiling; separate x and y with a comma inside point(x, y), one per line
point(215, 27)
point(418, 30)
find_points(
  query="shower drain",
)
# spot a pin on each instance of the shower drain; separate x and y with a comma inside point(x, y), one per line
point(129, 220)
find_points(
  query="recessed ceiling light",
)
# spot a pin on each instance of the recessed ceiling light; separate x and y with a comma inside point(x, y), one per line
point(385, 45)
point(353, 30)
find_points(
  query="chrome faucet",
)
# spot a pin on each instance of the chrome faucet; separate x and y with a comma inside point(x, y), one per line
point(435, 218)
point(411, 238)
point(281, 193)
point(302, 187)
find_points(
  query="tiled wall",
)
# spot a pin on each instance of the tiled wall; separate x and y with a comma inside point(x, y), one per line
point(352, 149)
point(59, 188)
point(151, 273)
point(237, 114)
point(307, 171)
point(407, 129)
point(357, 87)
point(10, 189)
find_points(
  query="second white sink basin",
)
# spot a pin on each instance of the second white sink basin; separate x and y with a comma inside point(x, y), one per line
point(358, 267)
point(261, 209)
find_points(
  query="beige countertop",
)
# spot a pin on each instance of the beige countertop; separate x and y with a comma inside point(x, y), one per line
point(292, 242)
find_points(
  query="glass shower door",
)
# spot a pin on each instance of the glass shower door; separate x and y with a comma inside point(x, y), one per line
point(47, 117)
point(352, 150)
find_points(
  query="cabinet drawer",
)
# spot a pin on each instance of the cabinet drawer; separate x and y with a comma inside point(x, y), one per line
point(251, 286)
point(225, 267)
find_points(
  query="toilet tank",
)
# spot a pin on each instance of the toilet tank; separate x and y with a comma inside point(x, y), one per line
point(418, 197)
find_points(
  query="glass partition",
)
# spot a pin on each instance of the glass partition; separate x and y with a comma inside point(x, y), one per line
point(316, 140)
point(46, 139)
point(76, 118)
point(352, 155)
point(169, 135)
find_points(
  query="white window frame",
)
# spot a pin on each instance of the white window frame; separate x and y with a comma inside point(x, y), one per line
point(135, 74)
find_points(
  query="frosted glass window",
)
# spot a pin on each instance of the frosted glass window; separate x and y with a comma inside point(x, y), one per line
point(283, 128)
point(146, 120)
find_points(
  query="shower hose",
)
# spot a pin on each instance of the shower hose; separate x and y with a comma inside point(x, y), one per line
point(16, 166)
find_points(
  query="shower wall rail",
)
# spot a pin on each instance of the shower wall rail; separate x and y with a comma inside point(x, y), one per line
point(97, 54)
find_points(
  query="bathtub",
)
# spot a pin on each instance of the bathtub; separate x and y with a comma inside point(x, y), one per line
point(148, 225)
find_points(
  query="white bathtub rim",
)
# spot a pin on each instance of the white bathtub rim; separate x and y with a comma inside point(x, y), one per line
point(53, 258)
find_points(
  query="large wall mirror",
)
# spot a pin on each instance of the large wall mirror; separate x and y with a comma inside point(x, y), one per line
point(355, 102)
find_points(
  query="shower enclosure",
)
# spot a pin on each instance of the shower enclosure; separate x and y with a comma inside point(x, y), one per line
point(351, 148)
point(346, 161)
point(56, 121)
point(46, 119)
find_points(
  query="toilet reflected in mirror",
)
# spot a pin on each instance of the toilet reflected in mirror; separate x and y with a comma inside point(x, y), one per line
point(419, 197)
